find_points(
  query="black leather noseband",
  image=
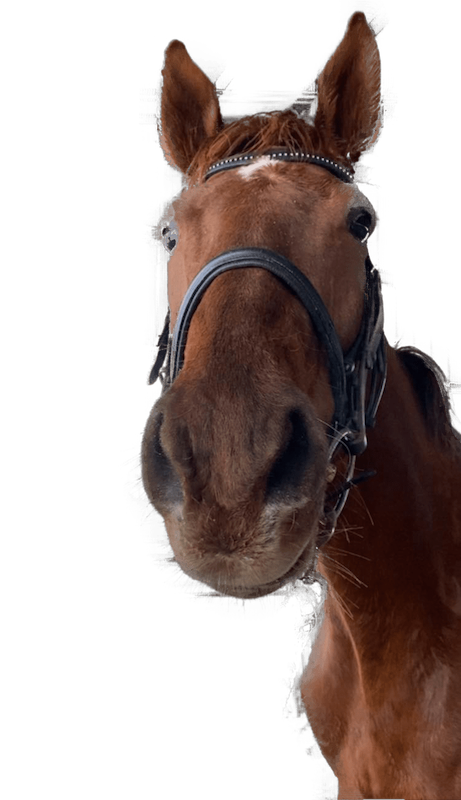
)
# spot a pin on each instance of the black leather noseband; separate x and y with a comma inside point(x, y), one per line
point(288, 274)
point(348, 372)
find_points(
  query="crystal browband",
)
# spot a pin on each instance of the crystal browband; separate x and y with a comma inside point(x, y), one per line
point(309, 158)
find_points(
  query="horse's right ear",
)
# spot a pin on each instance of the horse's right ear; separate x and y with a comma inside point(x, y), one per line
point(190, 107)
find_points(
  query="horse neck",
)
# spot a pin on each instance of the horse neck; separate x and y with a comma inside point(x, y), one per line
point(396, 553)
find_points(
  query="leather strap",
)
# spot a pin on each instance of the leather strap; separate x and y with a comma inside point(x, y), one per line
point(336, 169)
point(348, 373)
point(162, 351)
point(294, 279)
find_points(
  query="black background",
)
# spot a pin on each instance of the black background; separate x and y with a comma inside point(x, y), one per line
point(206, 696)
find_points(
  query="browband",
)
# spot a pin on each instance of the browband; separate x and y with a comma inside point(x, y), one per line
point(307, 158)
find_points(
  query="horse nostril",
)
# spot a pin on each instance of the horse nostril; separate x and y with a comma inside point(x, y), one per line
point(157, 448)
point(159, 477)
point(288, 470)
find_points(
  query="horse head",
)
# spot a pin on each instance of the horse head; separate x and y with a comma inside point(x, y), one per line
point(236, 453)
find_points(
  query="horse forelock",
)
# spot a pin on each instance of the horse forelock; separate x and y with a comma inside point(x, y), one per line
point(259, 133)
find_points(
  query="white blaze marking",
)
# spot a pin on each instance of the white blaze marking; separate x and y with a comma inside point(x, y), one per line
point(248, 171)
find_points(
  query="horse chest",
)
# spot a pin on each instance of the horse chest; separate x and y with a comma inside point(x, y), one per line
point(330, 690)
point(398, 739)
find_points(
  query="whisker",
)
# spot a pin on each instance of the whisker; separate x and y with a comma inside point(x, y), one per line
point(349, 575)
point(347, 553)
point(344, 525)
point(342, 603)
point(326, 425)
point(366, 509)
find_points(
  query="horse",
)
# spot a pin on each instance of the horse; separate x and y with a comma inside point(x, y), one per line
point(291, 440)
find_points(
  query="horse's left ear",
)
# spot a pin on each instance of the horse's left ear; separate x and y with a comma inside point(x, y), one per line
point(190, 107)
point(348, 112)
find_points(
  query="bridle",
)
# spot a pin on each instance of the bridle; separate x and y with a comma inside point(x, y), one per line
point(362, 367)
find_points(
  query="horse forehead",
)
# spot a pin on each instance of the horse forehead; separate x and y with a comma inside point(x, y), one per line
point(294, 209)
point(267, 183)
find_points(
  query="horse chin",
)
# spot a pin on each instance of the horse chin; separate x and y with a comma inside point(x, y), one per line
point(303, 569)
point(300, 574)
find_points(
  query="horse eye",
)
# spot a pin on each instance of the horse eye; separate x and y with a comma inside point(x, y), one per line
point(361, 225)
point(170, 237)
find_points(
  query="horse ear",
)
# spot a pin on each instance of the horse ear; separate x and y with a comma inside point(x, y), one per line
point(190, 107)
point(349, 107)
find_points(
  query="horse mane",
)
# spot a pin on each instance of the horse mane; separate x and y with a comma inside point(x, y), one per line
point(431, 388)
point(258, 133)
